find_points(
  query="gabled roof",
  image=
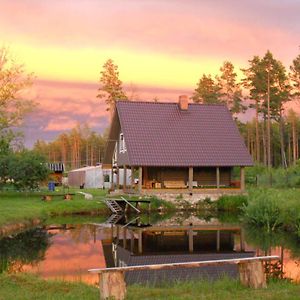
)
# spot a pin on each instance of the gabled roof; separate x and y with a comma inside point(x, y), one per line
point(160, 134)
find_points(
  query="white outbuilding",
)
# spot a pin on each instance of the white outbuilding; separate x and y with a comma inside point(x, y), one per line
point(95, 177)
point(87, 177)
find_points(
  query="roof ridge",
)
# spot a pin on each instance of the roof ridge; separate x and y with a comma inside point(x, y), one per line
point(152, 102)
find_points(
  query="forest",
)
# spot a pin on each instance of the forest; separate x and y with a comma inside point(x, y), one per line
point(267, 90)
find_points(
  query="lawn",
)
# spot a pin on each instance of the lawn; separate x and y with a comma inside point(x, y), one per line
point(19, 206)
point(25, 287)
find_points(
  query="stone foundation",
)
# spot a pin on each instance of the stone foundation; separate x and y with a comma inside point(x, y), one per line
point(191, 199)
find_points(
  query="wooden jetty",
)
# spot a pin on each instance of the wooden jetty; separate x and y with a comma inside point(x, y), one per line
point(120, 206)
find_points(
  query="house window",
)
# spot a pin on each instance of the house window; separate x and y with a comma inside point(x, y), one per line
point(122, 143)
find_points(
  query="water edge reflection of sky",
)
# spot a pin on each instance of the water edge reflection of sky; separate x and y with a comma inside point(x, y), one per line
point(68, 251)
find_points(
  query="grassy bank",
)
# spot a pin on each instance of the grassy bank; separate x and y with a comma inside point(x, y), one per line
point(17, 207)
point(20, 207)
point(25, 287)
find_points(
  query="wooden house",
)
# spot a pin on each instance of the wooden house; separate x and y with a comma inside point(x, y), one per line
point(176, 146)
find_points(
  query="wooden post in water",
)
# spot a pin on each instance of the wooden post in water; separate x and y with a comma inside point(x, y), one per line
point(191, 240)
point(124, 237)
point(242, 240)
point(252, 274)
point(112, 285)
point(131, 241)
point(218, 240)
point(140, 242)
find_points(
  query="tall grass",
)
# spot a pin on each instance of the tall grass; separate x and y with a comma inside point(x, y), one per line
point(272, 209)
point(231, 202)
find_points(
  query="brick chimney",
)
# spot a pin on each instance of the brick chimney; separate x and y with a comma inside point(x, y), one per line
point(183, 102)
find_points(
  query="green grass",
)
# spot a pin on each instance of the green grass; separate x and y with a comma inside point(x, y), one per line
point(225, 289)
point(19, 207)
point(25, 287)
point(29, 287)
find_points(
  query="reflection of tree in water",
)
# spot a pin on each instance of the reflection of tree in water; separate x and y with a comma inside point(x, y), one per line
point(26, 248)
point(266, 241)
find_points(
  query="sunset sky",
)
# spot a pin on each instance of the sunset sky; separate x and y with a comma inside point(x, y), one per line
point(162, 47)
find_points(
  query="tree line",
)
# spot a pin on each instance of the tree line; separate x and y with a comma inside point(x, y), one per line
point(77, 148)
point(272, 137)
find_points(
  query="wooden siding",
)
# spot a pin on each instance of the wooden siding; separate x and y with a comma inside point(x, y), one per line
point(122, 157)
point(165, 174)
point(208, 177)
point(203, 176)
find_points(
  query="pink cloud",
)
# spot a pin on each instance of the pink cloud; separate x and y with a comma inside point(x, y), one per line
point(228, 29)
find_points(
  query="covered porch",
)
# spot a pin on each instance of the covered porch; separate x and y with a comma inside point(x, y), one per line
point(152, 180)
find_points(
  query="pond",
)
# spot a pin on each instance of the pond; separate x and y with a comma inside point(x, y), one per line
point(67, 248)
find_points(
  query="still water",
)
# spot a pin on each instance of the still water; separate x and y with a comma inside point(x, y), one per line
point(66, 249)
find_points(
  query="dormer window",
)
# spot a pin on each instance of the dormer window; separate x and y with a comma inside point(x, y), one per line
point(122, 146)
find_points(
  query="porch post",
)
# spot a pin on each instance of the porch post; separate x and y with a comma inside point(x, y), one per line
point(242, 179)
point(124, 178)
point(132, 177)
point(218, 177)
point(118, 179)
point(191, 179)
point(112, 178)
point(140, 179)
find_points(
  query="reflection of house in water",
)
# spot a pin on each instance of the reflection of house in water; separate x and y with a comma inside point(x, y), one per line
point(138, 245)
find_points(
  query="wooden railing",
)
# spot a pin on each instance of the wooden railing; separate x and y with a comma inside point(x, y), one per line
point(251, 271)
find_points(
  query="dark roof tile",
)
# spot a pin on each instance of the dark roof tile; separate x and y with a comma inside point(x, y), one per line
point(160, 134)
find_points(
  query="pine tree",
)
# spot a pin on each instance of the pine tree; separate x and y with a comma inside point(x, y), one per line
point(230, 93)
point(207, 91)
point(111, 86)
point(295, 76)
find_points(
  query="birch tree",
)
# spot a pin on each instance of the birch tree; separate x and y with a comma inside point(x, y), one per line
point(14, 81)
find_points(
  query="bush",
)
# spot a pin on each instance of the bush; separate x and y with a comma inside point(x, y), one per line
point(264, 210)
point(231, 203)
point(24, 170)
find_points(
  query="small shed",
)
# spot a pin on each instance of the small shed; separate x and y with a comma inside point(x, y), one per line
point(88, 177)
point(56, 172)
